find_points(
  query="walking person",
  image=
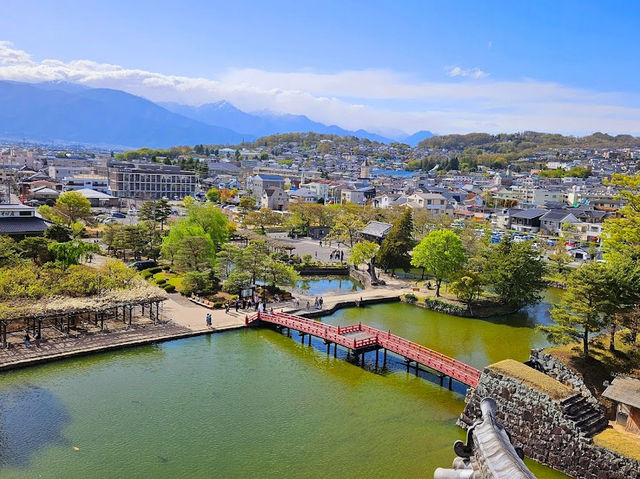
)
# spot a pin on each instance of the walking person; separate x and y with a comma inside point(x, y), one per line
point(37, 338)
point(321, 302)
point(27, 341)
point(226, 307)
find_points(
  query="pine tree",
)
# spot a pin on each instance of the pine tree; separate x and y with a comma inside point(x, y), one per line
point(394, 251)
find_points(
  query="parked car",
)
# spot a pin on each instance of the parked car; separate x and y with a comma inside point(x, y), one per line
point(144, 264)
point(132, 212)
point(110, 219)
point(117, 214)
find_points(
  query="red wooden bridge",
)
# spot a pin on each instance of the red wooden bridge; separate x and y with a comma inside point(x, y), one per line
point(360, 338)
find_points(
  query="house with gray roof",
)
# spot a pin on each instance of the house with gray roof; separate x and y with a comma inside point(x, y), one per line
point(551, 222)
point(376, 231)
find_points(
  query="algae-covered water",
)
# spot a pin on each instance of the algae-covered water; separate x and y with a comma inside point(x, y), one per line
point(249, 404)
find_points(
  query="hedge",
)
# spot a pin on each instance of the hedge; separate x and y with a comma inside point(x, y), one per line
point(161, 281)
point(169, 288)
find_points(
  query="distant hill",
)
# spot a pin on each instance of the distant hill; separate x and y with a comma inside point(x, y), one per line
point(527, 141)
point(264, 123)
point(53, 112)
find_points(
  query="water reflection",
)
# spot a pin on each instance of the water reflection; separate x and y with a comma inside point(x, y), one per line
point(31, 418)
point(323, 285)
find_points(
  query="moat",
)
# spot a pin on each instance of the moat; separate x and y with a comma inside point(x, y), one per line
point(251, 403)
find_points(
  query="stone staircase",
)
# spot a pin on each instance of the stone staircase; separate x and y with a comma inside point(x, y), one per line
point(588, 419)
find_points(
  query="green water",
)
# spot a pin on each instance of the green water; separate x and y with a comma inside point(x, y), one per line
point(246, 404)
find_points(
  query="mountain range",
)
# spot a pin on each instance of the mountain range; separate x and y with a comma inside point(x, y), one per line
point(66, 112)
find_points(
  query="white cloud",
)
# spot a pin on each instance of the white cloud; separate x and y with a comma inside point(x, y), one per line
point(379, 100)
point(475, 73)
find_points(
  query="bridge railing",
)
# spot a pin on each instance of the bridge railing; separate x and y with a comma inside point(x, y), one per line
point(399, 345)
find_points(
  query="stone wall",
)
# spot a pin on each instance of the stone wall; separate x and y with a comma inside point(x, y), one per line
point(560, 372)
point(547, 429)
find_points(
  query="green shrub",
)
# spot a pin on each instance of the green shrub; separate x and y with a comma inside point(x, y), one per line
point(155, 270)
point(217, 305)
point(161, 281)
point(411, 297)
point(146, 274)
point(444, 307)
point(166, 267)
point(169, 288)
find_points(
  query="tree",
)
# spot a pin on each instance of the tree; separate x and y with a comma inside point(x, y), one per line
point(36, 248)
point(560, 259)
point(195, 252)
point(72, 206)
point(346, 227)
point(179, 229)
point(253, 259)
point(441, 254)
point(236, 281)
point(467, 287)
point(394, 250)
point(212, 220)
point(58, 232)
point(8, 251)
point(226, 258)
point(155, 212)
point(213, 195)
point(621, 243)
point(276, 272)
point(579, 313)
point(246, 205)
point(262, 218)
point(515, 272)
point(197, 282)
point(72, 252)
point(365, 252)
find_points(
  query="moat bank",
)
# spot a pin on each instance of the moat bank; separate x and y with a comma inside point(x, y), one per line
point(246, 403)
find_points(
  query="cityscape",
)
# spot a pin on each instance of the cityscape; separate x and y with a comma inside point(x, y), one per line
point(317, 261)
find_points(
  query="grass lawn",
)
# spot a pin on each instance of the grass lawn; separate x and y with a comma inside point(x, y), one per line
point(532, 378)
point(623, 443)
point(602, 363)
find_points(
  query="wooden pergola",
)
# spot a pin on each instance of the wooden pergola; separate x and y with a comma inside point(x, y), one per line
point(63, 313)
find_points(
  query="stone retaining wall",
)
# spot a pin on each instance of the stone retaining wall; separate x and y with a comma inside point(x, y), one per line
point(541, 425)
point(560, 372)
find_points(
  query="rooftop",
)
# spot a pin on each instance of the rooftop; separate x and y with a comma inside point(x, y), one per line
point(377, 229)
point(624, 390)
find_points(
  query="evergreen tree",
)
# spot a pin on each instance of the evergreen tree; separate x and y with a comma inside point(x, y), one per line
point(394, 250)
point(515, 272)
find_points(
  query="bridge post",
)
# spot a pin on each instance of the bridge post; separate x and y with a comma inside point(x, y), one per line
point(417, 368)
point(441, 379)
point(335, 350)
point(377, 358)
point(328, 348)
point(309, 340)
point(408, 363)
point(450, 379)
point(384, 358)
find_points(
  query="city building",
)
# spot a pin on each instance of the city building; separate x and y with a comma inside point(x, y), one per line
point(150, 180)
point(19, 221)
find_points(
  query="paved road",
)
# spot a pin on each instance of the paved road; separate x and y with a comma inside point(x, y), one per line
point(308, 246)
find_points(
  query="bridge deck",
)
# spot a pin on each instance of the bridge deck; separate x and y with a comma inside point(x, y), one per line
point(362, 337)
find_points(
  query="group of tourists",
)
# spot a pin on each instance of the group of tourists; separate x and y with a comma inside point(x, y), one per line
point(318, 302)
point(27, 339)
point(337, 255)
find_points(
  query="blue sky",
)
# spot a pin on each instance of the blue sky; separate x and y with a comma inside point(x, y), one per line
point(569, 66)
